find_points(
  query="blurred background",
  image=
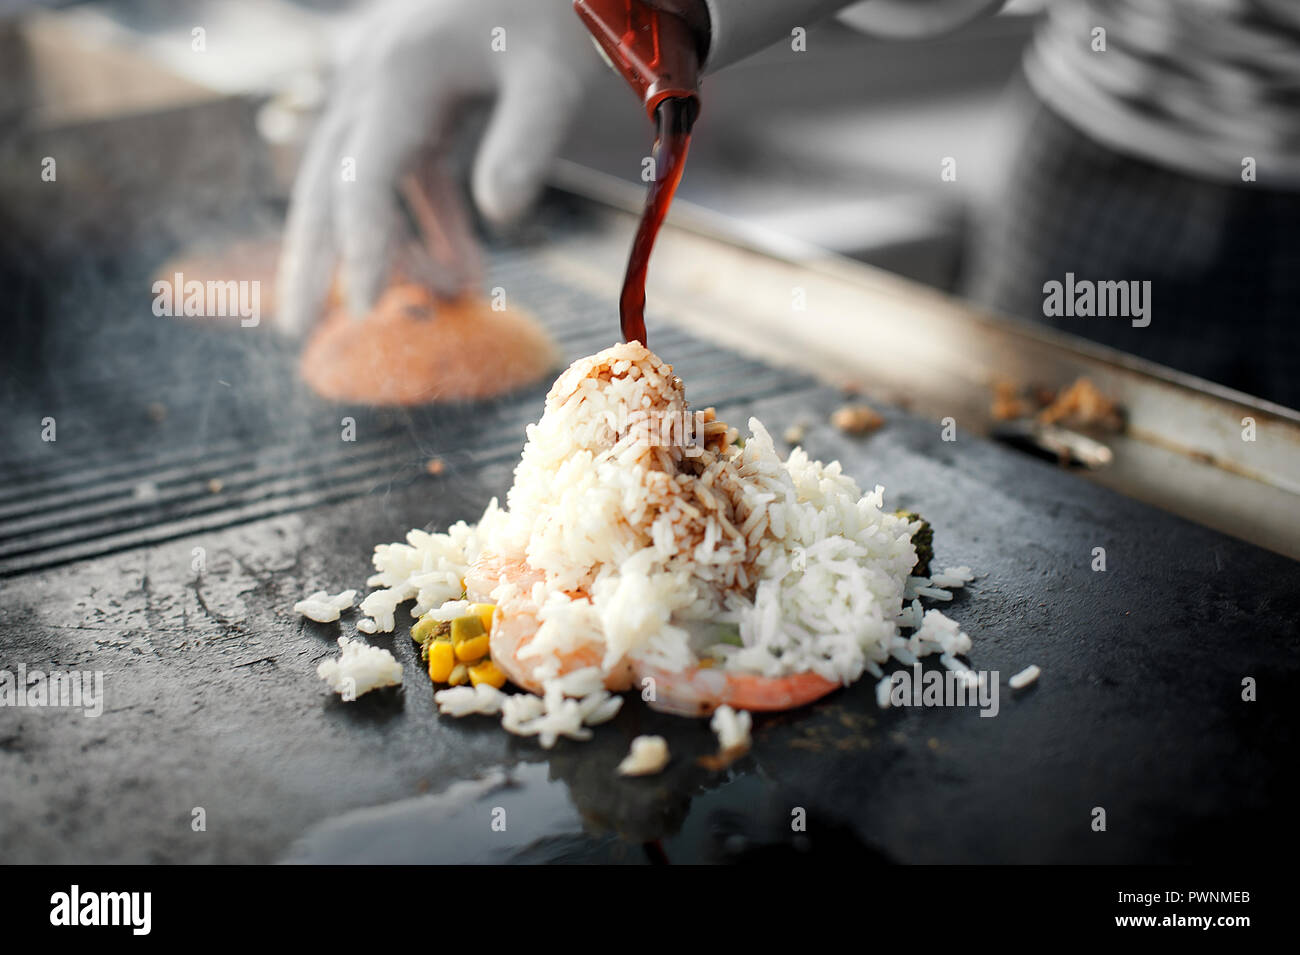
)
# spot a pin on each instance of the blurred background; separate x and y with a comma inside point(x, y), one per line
point(170, 486)
point(179, 125)
point(837, 150)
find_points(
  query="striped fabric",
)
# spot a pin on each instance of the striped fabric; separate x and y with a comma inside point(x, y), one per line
point(1195, 85)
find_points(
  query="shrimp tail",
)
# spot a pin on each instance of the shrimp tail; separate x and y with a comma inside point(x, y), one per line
point(698, 691)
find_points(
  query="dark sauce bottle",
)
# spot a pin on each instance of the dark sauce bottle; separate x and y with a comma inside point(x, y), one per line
point(659, 55)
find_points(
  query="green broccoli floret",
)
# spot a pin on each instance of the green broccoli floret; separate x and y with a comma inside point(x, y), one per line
point(922, 540)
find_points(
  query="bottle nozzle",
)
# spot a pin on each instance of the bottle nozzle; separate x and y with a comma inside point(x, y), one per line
point(654, 50)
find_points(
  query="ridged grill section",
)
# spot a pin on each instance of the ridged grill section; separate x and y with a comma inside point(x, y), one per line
point(166, 430)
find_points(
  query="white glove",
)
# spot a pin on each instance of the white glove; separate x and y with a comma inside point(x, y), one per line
point(406, 68)
point(741, 27)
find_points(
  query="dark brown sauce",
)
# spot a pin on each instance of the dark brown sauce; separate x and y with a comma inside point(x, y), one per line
point(675, 118)
point(658, 52)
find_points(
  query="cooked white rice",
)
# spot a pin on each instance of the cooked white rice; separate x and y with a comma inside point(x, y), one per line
point(662, 541)
point(732, 728)
point(883, 689)
point(567, 707)
point(647, 756)
point(670, 540)
point(952, 578)
point(482, 700)
point(323, 608)
point(1025, 677)
point(359, 669)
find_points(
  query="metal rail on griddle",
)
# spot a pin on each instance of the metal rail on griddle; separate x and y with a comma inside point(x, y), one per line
point(1183, 449)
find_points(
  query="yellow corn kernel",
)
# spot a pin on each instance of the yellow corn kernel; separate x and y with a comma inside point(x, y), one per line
point(472, 649)
point(422, 629)
point(459, 675)
point(442, 660)
point(484, 612)
point(487, 672)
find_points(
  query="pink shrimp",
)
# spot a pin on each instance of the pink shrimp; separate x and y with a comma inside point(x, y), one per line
point(515, 624)
point(698, 691)
point(492, 569)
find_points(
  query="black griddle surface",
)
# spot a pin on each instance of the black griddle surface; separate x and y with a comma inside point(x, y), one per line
point(212, 699)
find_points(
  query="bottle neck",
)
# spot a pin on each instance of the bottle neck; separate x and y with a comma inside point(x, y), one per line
point(656, 51)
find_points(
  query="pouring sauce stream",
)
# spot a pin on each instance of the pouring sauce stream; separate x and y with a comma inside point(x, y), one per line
point(674, 118)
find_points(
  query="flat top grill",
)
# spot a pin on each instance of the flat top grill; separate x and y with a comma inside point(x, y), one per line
point(167, 427)
point(120, 556)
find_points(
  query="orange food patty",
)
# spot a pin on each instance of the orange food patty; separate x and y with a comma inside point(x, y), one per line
point(412, 349)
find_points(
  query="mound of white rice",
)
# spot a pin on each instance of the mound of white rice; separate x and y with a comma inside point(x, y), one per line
point(670, 533)
point(658, 537)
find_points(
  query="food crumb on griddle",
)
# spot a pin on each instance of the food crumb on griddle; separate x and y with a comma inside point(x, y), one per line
point(1007, 404)
point(359, 668)
point(857, 419)
point(648, 755)
point(1025, 677)
point(732, 728)
point(324, 607)
point(1082, 405)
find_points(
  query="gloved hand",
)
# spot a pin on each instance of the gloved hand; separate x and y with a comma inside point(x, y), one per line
point(408, 66)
